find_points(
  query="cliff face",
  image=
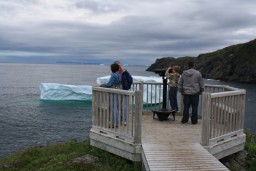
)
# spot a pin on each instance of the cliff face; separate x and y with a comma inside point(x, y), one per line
point(233, 63)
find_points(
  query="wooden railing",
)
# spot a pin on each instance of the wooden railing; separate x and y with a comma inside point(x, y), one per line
point(223, 110)
point(116, 118)
point(152, 94)
point(117, 113)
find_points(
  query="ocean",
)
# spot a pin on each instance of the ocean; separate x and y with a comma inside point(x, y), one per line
point(27, 121)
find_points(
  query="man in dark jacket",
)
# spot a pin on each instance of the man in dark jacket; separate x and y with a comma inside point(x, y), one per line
point(191, 85)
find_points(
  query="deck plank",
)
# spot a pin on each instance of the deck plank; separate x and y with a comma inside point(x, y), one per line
point(170, 145)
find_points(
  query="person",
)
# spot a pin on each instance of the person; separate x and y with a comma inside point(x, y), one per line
point(121, 69)
point(115, 78)
point(172, 74)
point(125, 98)
point(114, 82)
point(191, 85)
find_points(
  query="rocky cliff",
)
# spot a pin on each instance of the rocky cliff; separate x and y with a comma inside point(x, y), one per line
point(233, 63)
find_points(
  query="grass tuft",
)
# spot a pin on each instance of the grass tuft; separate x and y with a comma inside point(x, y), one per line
point(72, 155)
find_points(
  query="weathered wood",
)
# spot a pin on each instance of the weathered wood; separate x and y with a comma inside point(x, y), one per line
point(228, 93)
point(169, 145)
point(206, 119)
point(117, 120)
point(183, 157)
point(138, 114)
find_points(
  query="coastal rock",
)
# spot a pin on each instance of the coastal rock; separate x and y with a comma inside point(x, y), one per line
point(233, 63)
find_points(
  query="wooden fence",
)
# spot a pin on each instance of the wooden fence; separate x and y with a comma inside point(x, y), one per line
point(152, 94)
point(223, 110)
point(116, 121)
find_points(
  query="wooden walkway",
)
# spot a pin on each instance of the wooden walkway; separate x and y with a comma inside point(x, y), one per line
point(170, 145)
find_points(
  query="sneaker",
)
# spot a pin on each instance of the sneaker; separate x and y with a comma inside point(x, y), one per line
point(183, 122)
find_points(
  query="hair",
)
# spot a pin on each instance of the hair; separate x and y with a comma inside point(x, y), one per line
point(117, 62)
point(191, 63)
point(176, 68)
point(114, 67)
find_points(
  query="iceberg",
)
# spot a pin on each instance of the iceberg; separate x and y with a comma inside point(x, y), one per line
point(103, 80)
point(55, 91)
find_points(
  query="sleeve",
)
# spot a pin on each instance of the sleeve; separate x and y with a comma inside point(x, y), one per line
point(110, 82)
point(167, 75)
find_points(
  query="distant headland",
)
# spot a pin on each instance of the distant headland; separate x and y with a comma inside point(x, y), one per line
point(234, 63)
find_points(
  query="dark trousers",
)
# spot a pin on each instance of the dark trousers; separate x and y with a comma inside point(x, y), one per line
point(190, 100)
point(173, 98)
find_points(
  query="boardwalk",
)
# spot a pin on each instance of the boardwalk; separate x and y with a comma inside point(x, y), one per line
point(170, 145)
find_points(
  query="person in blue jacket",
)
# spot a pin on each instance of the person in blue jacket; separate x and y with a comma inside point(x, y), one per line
point(114, 82)
point(115, 78)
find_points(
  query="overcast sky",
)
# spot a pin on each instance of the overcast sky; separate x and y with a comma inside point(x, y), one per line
point(132, 31)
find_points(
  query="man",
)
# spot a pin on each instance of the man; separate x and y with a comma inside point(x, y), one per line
point(191, 86)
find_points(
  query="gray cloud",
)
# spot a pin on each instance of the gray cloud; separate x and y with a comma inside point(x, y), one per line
point(99, 6)
point(133, 32)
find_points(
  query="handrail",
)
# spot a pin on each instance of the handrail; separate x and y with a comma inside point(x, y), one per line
point(223, 113)
point(117, 113)
point(152, 94)
point(221, 107)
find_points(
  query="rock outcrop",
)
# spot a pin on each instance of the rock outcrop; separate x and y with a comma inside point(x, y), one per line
point(233, 63)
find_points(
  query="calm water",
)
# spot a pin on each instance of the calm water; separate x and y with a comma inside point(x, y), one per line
point(27, 121)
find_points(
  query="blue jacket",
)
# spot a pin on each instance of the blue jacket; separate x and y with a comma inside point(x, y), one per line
point(115, 80)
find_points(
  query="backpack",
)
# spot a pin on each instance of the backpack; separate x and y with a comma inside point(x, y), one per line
point(127, 80)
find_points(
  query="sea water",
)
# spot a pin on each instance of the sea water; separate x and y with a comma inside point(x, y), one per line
point(27, 121)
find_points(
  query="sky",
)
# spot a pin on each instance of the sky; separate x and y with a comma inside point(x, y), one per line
point(131, 31)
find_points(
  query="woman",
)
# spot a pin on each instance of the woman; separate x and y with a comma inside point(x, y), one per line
point(172, 74)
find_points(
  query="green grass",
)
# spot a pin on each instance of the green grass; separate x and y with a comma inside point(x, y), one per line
point(250, 147)
point(59, 158)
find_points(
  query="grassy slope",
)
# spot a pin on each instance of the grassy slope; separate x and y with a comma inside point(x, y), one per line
point(59, 158)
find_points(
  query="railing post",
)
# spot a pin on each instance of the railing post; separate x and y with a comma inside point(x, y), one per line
point(206, 114)
point(138, 113)
point(93, 107)
point(243, 109)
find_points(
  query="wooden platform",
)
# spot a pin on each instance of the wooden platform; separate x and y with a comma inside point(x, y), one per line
point(170, 145)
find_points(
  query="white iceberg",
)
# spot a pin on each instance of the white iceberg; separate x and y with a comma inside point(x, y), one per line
point(55, 91)
point(103, 80)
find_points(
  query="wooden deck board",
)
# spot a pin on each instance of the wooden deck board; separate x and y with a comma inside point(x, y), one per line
point(170, 145)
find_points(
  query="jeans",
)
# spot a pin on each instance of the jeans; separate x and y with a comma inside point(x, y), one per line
point(115, 109)
point(119, 109)
point(190, 100)
point(173, 98)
